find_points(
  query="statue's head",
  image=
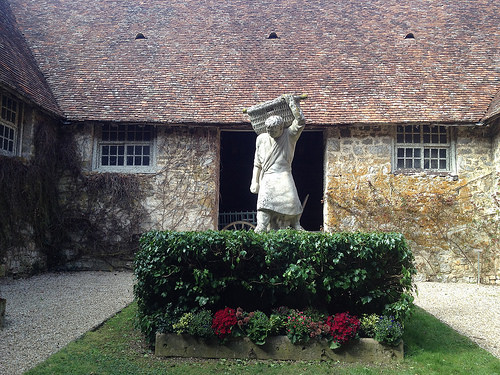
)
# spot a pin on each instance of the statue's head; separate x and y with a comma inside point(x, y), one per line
point(274, 126)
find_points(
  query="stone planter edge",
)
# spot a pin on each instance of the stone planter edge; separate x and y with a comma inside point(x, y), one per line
point(364, 350)
point(3, 303)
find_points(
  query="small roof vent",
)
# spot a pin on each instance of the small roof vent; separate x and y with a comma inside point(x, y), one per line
point(140, 36)
point(273, 35)
point(410, 36)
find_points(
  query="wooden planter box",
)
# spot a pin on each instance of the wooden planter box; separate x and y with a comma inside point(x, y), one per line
point(277, 347)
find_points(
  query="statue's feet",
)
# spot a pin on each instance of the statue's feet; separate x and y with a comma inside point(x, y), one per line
point(260, 229)
point(298, 227)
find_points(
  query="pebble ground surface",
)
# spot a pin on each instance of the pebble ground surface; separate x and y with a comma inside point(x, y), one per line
point(46, 312)
point(471, 309)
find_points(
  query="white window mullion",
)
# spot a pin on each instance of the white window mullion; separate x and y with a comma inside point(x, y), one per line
point(125, 148)
point(423, 147)
point(9, 119)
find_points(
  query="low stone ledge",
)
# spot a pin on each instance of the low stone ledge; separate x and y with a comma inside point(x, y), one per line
point(277, 347)
point(3, 303)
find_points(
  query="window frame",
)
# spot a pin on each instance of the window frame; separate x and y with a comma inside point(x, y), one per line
point(450, 146)
point(99, 143)
point(7, 124)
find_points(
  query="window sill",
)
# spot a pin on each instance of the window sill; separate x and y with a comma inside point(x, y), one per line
point(7, 153)
point(424, 173)
point(128, 170)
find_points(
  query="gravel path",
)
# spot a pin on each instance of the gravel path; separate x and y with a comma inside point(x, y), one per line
point(471, 309)
point(46, 312)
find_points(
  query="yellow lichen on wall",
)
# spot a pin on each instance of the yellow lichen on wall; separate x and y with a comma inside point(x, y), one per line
point(444, 218)
point(371, 201)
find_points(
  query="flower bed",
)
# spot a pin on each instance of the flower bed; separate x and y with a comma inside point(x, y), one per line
point(288, 334)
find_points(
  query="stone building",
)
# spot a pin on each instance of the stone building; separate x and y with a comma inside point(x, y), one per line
point(123, 116)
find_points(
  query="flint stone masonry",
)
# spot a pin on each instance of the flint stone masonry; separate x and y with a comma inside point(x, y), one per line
point(277, 348)
point(496, 152)
point(24, 260)
point(180, 191)
point(184, 192)
point(439, 215)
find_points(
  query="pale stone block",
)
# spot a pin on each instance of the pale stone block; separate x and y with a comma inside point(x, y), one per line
point(277, 347)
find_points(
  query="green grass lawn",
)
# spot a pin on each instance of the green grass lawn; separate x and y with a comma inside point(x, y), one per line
point(117, 348)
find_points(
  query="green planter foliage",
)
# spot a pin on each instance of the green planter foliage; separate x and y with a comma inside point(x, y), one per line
point(179, 272)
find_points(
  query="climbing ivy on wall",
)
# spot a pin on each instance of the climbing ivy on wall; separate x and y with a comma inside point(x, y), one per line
point(29, 200)
point(49, 204)
point(186, 182)
point(105, 213)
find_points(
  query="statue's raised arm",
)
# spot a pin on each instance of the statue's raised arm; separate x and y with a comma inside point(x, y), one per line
point(293, 104)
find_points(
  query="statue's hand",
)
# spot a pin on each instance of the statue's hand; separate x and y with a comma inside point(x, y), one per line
point(290, 100)
point(293, 104)
point(254, 188)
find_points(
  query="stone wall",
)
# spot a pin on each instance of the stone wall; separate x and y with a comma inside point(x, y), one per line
point(28, 191)
point(113, 209)
point(495, 131)
point(26, 259)
point(496, 211)
point(183, 195)
point(444, 218)
point(100, 216)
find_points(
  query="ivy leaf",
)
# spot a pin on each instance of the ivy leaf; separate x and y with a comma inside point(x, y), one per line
point(334, 345)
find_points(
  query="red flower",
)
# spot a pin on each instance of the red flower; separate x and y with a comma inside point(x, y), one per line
point(343, 327)
point(223, 322)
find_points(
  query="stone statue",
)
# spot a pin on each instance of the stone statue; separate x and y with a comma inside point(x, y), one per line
point(278, 204)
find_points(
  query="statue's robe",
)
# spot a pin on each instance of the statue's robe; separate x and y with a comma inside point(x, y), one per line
point(277, 191)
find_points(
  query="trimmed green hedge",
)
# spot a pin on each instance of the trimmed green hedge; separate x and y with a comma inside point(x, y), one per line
point(179, 272)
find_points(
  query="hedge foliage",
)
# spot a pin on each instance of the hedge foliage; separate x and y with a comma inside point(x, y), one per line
point(179, 272)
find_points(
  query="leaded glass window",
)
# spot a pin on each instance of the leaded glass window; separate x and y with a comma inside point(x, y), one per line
point(422, 147)
point(126, 146)
point(9, 114)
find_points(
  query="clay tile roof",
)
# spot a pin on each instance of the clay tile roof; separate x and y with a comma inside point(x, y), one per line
point(202, 61)
point(494, 108)
point(18, 68)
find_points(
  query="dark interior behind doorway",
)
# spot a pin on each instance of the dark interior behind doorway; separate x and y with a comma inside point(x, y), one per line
point(237, 153)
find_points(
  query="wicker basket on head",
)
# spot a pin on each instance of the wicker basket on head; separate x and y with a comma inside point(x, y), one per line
point(259, 113)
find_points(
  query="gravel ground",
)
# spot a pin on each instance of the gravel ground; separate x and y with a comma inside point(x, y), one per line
point(471, 309)
point(46, 312)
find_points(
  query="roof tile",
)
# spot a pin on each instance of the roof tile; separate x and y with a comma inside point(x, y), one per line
point(18, 68)
point(205, 60)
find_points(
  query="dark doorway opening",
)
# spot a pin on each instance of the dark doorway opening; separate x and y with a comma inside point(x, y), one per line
point(237, 154)
point(236, 202)
point(308, 174)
